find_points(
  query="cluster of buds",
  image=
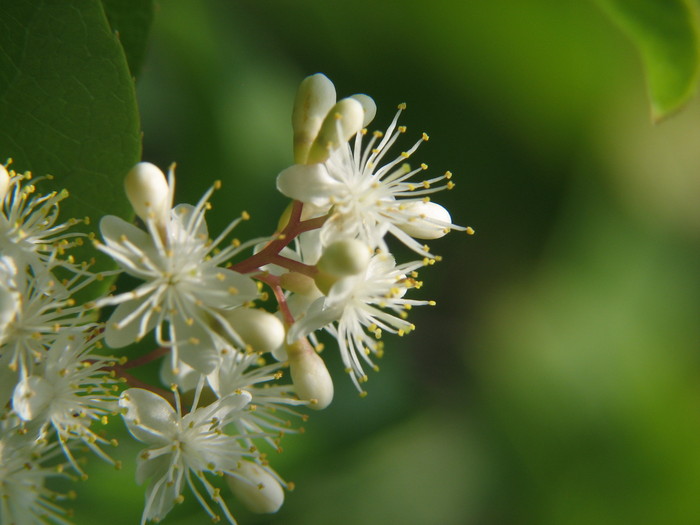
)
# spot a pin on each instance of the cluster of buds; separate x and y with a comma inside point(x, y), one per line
point(224, 349)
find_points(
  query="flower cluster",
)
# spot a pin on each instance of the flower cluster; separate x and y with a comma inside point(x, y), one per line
point(204, 306)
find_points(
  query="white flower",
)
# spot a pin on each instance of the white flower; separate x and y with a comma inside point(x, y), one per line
point(69, 390)
point(41, 313)
point(368, 199)
point(29, 227)
point(267, 416)
point(182, 446)
point(184, 286)
point(24, 498)
point(358, 308)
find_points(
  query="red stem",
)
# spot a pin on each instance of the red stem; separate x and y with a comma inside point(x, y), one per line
point(294, 228)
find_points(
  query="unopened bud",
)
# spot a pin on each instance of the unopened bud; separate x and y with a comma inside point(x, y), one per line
point(310, 376)
point(368, 106)
point(4, 182)
point(345, 257)
point(258, 328)
point(148, 192)
point(429, 220)
point(342, 122)
point(298, 283)
point(259, 491)
point(315, 97)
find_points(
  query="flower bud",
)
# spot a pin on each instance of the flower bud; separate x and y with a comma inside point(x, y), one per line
point(259, 329)
point(315, 97)
point(345, 257)
point(368, 106)
point(429, 220)
point(259, 491)
point(298, 283)
point(310, 376)
point(4, 182)
point(342, 122)
point(148, 192)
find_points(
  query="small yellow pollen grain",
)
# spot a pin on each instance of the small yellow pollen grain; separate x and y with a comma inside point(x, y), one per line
point(245, 216)
point(470, 230)
point(233, 290)
point(217, 184)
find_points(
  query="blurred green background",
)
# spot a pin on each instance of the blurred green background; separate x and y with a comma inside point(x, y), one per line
point(558, 379)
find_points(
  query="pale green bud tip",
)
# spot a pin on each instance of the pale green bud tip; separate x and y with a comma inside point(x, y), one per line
point(310, 376)
point(315, 97)
point(368, 106)
point(259, 329)
point(342, 122)
point(345, 257)
point(148, 192)
point(4, 181)
point(428, 220)
point(256, 488)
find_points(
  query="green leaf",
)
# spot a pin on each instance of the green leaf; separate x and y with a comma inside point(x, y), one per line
point(131, 20)
point(666, 34)
point(67, 105)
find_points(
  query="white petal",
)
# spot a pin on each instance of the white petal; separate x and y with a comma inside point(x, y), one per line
point(195, 346)
point(149, 417)
point(160, 497)
point(223, 288)
point(310, 183)
point(151, 467)
point(182, 214)
point(31, 397)
point(113, 228)
point(317, 317)
point(117, 336)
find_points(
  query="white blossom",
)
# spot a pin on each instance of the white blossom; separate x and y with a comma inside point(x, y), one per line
point(41, 312)
point(29, 228)
point(67, 392)
point(24, 497)
point(184, 289)
point(365, 197)
point(181, 447)
point(359, 308)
